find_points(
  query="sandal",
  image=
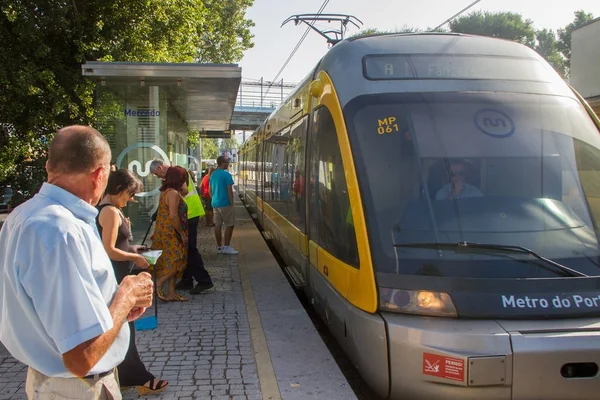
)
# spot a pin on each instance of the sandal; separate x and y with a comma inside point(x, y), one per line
point(161, 295)
point(179, 297)
point(154, 386)
point(176, 297)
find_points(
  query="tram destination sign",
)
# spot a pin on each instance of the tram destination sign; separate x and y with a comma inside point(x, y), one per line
point(453, 66)
point(565, 301)
point(535, 304)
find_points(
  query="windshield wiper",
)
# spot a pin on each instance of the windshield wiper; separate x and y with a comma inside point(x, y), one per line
point(499, 247)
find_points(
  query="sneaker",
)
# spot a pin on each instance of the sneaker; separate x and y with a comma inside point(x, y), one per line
point(229, 250)
point(220, 250)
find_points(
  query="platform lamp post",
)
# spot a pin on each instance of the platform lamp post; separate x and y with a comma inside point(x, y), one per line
point(261, 91)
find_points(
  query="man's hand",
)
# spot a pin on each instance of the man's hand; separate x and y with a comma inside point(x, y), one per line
point(135, 313)
point(141, 262)
point(138, 289)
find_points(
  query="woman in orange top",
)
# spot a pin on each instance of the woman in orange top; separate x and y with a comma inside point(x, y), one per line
point(206, 199)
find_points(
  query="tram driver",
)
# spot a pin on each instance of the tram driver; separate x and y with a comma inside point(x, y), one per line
point(457, 188)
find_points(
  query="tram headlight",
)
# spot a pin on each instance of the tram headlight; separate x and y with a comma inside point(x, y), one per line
point(421, 302)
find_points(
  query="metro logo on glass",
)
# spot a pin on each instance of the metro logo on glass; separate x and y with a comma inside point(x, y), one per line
point(494, 123)
point(136, 167)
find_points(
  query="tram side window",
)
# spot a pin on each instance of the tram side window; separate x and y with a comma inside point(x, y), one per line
point(255, 169)
point(295, 171)
point(275, 181)
point(334, 225)
point(265, 151)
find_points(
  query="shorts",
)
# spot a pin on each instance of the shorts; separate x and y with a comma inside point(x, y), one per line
point(224, 215)
point(207, 204)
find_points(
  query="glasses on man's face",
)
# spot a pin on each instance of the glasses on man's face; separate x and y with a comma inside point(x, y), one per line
point(458, 173)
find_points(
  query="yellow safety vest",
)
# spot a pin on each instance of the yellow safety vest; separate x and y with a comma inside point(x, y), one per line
point(349, 219)
point(192, 200)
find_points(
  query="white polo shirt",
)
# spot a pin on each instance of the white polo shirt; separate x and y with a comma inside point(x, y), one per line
point(56, 282)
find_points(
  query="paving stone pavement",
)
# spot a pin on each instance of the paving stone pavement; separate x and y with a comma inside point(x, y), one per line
point(202, 347)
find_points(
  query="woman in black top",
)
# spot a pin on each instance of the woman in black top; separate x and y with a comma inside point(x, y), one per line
point(115, 231)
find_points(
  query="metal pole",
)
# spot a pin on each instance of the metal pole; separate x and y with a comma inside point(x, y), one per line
point(261, 92)
point(281, 101)
point(199, 155)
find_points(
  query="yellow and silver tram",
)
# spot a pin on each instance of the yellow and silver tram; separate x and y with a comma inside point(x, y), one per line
point(437, 196)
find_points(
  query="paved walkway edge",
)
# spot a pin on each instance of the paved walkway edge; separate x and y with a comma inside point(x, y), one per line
point(266, 373)
point(303, 366)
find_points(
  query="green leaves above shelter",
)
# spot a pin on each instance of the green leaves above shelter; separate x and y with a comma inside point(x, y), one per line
point(44, 44)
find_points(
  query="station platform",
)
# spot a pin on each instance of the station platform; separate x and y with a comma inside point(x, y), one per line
point(248, 338)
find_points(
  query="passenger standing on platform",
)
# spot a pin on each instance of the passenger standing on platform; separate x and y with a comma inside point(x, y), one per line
point(221, 191)
point(206, 199)
point(171, 233)
point(115, 231)
point(61, 310)
point(195, 265)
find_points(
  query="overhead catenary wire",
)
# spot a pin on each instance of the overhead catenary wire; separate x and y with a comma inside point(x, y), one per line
point(456, 15)
point(325, 2)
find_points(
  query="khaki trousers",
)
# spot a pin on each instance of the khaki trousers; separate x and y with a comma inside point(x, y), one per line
point(41, 387)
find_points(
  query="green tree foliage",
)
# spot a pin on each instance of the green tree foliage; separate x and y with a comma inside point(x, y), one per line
point(507, 25)
point(564, 34)
point(210, 149)
point(229, 144)
point(44, 44)
point(227, 35)
point(374, 31)
point(547, 47)
point(193, 138)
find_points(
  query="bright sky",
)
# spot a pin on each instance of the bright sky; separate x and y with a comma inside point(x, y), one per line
point(273, 45)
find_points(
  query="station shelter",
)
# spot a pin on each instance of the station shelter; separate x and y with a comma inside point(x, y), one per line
point(147, 110)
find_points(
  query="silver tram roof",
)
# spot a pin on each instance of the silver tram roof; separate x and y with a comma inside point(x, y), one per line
point(344, 65)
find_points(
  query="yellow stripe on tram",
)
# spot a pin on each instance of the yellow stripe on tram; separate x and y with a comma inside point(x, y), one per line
point(357, 285)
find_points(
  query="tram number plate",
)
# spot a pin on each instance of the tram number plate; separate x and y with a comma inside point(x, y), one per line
point(444, 367)
point(387, 125)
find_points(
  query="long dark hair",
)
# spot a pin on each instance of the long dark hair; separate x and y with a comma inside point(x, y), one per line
point(175, 177)
point(121, 180)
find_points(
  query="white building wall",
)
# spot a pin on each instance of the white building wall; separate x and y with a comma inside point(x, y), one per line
point(585, 59)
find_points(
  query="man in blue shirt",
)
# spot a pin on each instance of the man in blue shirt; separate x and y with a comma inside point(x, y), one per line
point(457, 188)
point(221, 191)
point(61, 311)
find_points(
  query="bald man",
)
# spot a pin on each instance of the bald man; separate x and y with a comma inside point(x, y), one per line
point(61, 311)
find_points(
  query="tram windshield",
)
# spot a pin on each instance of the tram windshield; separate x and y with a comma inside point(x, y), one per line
point(504, 169)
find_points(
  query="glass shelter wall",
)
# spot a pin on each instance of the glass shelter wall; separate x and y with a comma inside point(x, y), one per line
point(142, 123)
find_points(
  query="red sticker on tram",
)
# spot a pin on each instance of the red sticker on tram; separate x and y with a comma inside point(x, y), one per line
point(444, 367)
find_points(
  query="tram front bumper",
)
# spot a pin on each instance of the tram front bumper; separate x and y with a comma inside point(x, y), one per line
point(442, 358)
